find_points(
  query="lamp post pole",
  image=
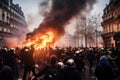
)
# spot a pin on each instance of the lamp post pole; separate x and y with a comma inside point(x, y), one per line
point(96, 37)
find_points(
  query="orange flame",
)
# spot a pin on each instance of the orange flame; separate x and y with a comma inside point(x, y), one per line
point(41, 41)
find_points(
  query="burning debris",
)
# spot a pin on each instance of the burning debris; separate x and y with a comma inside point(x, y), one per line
point(40, 41)
point(52, 27)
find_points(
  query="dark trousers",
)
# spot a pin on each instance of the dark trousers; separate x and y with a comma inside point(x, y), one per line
point(28, 69)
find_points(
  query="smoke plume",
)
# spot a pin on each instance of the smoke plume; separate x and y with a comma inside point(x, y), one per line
point(60, 14)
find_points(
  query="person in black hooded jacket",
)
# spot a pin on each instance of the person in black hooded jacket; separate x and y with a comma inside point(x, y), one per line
point(70, 72)
point(104, 70)
point(5, 71)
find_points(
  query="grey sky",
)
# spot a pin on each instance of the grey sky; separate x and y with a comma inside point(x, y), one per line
point(98, 8)
point(30, 9)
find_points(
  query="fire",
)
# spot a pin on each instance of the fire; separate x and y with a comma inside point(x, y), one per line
point(41, 41)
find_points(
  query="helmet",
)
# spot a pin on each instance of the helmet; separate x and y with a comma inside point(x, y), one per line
point(26, 50)
point(11, 50)
point(90, 49)
point(81, 50)
point(70, 62)
point(60, 64)
point(77, 52)
point(102, 48)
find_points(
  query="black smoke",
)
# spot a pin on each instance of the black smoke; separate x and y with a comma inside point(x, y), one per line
point(60, 14)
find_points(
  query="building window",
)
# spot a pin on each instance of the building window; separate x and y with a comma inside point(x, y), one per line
point(0, 28)
point(110, 27)
point(5, 16)
point(12, 25)
point(105, 29)
point(8, 16)
point(8, 30)
point(119, 11)
point(0, 14)
point(115, 14)
point(119, 27)
point(115, 27)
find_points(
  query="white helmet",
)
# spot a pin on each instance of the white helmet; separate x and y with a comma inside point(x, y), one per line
point(26, 50)
point(60, 64)
point(70, 62)
point(77, 52)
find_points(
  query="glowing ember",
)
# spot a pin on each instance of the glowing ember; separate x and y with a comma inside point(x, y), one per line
point(40, 41)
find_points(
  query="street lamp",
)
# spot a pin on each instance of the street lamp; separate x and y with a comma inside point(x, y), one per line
point(96, 37)
point(95, 22)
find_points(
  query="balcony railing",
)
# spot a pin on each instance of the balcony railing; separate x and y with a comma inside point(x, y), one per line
point(108, 34)
point(108, 20)
point(5, 24)
point(5, 33)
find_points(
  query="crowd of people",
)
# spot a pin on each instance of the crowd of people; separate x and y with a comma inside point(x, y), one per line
point(59, 63)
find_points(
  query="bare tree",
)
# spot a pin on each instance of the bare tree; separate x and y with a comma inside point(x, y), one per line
point(87, 30)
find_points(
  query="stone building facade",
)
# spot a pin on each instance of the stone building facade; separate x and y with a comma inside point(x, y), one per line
point(111, 24)
point(12, 20)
